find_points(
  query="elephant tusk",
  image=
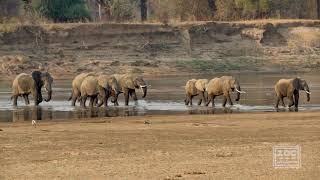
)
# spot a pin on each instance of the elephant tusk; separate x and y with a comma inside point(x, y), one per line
point(239, 91)
point(308, 92)
point(143, 86)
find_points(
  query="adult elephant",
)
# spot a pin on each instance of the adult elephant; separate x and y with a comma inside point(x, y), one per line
point(107, 86)
point(222, 86)
point(89, 88)
point(128, 84)
point(76, 84)
point(25, 84)
point(195, 87)
point(290, 88)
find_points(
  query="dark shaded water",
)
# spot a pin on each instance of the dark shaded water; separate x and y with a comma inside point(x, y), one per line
point(165, 96)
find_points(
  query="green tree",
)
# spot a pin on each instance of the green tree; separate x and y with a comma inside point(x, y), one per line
point(212, 6)
point(65, 10)
point(143, 9)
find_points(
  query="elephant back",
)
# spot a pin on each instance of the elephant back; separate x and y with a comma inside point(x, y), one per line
point(77, 81)
point(118, 76)
point(127, 81)
point(103, 80)
point(284, 86)
point(226, 82)
point(89, 86)
point(191, 87)
point(201, 84)
point(214, 86)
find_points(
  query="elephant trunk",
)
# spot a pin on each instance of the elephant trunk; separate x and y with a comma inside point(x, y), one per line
point(115, 98)
point(308, 94)
point(144, 89)
point(238, 92)
point(49, 96)
point(38, 97)
point(307, 90)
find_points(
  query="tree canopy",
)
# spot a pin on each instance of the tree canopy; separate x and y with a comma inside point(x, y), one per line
point(64, 10)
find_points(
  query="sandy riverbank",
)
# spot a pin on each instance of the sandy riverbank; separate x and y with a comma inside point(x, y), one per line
point(235, 146)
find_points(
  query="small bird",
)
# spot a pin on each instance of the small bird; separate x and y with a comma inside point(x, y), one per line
point(34, 123)
point(147, 122)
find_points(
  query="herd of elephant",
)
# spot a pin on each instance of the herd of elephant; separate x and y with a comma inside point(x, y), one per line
point(85, 85)
point(99, 88)
point(208, 90)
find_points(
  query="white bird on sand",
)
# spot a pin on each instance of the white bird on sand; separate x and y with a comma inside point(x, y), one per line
point(34, 123)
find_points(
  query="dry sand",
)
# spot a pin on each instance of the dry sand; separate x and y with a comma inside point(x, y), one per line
point(231, 146)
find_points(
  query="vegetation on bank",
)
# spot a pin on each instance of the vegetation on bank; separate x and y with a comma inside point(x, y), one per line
point(157, 10)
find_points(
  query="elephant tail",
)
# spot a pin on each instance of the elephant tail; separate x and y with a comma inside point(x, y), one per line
point(69, 99)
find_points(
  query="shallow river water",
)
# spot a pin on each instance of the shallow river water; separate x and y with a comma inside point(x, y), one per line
point(165, 96)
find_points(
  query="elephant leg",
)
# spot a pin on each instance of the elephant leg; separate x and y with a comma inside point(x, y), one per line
point(190, 97)
point(282, 102)
point(102, 99)
point(74, 98)
point(212, 101)
point(36, 101)
point(134, 95)
point(296, 100)
point(92, 100)
point(229, 99)
point(26, 99)
point(200, 101)
point(277, 102)
point(209, 99)
point(15, 100)
point(224, 101)
point(83, 100)
point(96, 101)
point(106, 100)
point(186, 101)
point(291, 101)
point(201, 98)
point(204, 97)
point(126, 97)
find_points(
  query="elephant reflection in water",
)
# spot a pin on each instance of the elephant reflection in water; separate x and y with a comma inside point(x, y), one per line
point(29, 113)
point(211, 111)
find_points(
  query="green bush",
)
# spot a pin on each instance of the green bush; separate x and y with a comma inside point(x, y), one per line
point(64, 10)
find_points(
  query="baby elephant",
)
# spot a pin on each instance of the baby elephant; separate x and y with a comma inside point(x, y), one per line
point(290, 88)
point(195, 87)
point(222, 86)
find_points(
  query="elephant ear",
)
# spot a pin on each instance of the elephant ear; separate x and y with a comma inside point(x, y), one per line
point(296, 83)
point(128, 82)
point(37, 77)
point(228, 84)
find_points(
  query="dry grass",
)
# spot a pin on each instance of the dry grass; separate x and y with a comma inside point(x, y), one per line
point(308, 37)
point(13, 25)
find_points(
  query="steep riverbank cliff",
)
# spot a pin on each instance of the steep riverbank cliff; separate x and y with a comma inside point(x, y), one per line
point(201, 47)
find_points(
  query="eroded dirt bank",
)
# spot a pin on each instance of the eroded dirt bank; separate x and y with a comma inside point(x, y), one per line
point(269, 45)
point(233, 146)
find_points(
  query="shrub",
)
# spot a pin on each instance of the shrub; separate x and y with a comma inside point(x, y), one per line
point(122, 10)
point(64, 10)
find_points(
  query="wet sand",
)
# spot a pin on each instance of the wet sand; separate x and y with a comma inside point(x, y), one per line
point(224, 146)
